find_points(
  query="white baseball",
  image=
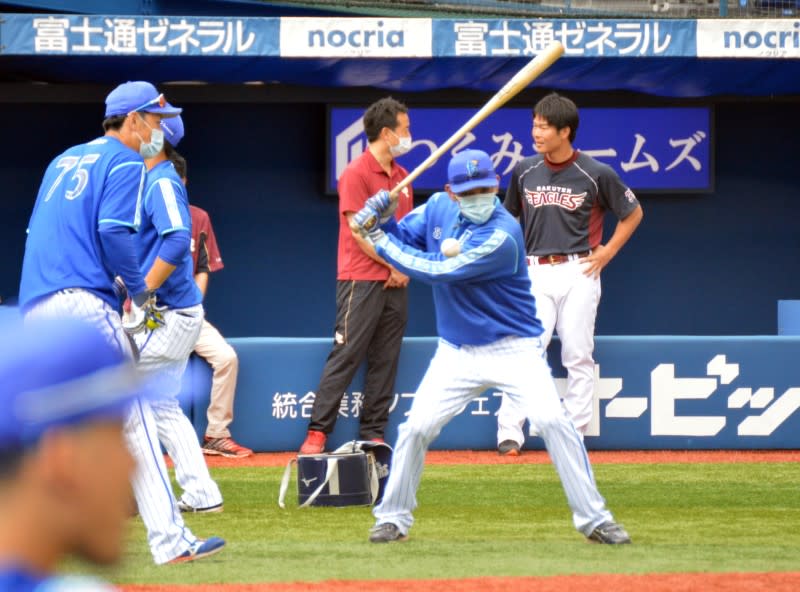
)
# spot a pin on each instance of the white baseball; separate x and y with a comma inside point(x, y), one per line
point(450, 247)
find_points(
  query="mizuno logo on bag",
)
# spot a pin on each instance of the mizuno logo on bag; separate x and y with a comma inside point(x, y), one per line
point(383, 470)
point(308, 482)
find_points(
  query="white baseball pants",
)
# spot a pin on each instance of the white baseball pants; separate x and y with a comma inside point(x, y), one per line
point(566, 301)
point(167, 535)
point(165, 353)
point(455, 377)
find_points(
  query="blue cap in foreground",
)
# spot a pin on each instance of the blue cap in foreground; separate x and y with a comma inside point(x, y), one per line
point(59, 373)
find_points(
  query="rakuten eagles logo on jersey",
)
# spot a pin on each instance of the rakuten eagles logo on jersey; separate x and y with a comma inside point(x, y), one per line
point(548, 195)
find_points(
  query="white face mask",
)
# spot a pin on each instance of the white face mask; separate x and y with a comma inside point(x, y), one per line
point(154, 146)
point(477, 208)
point(401, 148)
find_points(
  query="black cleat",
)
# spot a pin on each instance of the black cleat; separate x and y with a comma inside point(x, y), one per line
point(184, 507)
point(508, 448)
point(610, 533)
point(386, 533)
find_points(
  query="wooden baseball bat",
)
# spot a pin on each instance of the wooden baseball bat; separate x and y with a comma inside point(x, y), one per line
point(511, 88)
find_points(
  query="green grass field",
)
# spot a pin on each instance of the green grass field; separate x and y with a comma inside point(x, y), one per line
point(499, 520)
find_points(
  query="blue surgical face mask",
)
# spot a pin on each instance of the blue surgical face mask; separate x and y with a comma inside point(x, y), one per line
point(478, 207)
point(152, 148)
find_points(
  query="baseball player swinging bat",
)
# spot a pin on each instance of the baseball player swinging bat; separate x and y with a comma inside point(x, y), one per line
point(510, 89)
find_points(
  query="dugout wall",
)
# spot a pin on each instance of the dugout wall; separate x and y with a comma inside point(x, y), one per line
point(700, 264)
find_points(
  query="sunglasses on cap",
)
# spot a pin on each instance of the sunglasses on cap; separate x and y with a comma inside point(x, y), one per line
point(472, 173)
point(160, 100)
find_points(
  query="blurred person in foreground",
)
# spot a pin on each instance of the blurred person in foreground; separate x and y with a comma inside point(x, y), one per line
point(65, 468)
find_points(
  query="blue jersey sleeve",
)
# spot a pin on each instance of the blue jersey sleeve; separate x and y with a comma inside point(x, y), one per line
point(411, 229)
point(122, 192)
point(174, 247)
point(120, 255)
point(488, 253)
point(168, 207)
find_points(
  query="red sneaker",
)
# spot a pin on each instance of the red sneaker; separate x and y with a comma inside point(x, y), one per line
point(226, 447)
point(314, 443)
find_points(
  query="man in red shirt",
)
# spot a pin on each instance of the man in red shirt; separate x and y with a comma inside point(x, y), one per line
point(371, 298)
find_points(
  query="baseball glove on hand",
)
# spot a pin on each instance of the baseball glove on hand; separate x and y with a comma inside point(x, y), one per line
point(143, 314)
point(365, 222)
point(376, 211)
point(384, 204)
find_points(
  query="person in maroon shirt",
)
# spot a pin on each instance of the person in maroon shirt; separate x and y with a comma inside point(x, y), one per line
point(211, 345)
point(371, 298)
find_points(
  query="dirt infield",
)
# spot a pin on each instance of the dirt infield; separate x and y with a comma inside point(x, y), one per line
point(457, 457)
point(679, 582)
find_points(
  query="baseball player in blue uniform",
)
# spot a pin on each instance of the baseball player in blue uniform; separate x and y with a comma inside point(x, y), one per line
point(65, 467)
point(488, 338)
point(164, 347)
point(80, 238)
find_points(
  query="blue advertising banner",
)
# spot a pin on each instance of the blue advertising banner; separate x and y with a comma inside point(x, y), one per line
point(362, 37)
point(652, 149)
point(660, 392)
point(25, 34)
point(584, 38)
point(67, 34)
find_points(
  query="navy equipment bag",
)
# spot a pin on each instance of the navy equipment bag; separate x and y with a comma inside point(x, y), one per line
point(354, 474)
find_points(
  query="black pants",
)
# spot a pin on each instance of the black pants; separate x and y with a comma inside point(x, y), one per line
point(370, 322)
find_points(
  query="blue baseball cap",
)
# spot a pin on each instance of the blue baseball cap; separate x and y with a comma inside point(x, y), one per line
point(138, 96)
point(470, 169)
point(173, 129)
point(59, 373)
